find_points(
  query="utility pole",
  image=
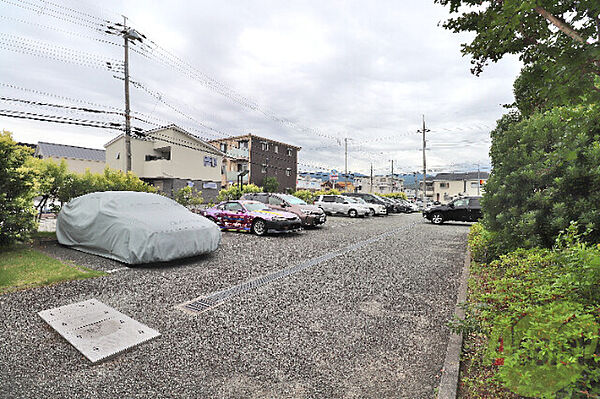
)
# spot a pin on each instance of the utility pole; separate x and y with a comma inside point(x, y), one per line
point(425, 130)
point(392, 189)
point(371, 178)
point(346, 163)
point(127, 110)
point(478, 179)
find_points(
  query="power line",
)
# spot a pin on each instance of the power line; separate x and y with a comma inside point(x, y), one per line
point(68, 32)
point(38, 103)
point(57, 119)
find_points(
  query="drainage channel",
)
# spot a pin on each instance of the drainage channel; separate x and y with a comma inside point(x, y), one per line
point(210, 301)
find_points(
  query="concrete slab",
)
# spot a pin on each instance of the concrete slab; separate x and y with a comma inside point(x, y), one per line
point(97, 330)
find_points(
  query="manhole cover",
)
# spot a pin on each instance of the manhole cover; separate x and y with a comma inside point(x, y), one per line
point(96, 330)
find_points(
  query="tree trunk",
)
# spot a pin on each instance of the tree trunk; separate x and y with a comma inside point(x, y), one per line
point(559, 24)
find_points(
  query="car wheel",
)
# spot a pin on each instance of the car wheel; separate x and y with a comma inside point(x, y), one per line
point(259, 227)
point(352, 213)
point(437, 218)
point(372, 212)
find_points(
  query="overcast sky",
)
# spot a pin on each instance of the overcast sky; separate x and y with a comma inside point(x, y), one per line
point(308, 73)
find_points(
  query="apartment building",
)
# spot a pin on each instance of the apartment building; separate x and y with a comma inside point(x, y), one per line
point(446, 186)
point(256, 158)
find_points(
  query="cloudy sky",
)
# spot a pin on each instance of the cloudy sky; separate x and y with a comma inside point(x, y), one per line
point(310, 73)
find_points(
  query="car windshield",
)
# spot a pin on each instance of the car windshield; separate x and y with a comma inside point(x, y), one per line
point(255, 206)
point(293, 200)
point(359, 200)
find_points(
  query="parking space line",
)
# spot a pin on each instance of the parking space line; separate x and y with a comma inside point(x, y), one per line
point(207, 302)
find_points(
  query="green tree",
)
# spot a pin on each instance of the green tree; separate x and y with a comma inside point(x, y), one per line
point(400, 195)
point(545, 175)
point(17, 180)
point(188, 197)
point(558, 43)
point(270, 185)
point(50, 178)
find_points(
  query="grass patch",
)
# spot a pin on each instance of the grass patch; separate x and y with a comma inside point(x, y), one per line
point(45, 235)
point(24, 267)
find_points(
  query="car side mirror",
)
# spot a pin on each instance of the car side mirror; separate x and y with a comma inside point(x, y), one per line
point(283, 204)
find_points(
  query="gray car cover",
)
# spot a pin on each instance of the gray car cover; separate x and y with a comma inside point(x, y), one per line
point(134, 227)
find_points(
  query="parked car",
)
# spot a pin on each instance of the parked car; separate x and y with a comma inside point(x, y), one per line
point(252, 216)
point(466, 209)
point(395, 207)
point(374, 209)
point(401, 204)
point(134, 227)
point(338, 204)
point(376, 205)
point(310, 215)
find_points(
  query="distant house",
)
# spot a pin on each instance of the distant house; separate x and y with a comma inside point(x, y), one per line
point(380, 184)
point(447, 186)
point(78, 159)
point(305, 182)
point(170, 158)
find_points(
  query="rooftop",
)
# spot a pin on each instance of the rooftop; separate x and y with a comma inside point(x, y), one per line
point(69, 151)
point(461, 176)
point(248, 135)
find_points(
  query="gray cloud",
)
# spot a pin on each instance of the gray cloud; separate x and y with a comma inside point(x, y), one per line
point(357, 69)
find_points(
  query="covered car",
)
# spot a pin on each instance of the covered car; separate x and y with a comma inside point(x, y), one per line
point(134, 227)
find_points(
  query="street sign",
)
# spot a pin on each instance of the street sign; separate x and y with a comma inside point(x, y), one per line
point(333, 175)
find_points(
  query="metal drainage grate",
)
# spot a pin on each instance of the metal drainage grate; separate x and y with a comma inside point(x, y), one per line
point(205, 303)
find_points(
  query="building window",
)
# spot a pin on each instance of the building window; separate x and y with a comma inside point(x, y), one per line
point(288, 172)
point(223, 147)
point(474, 184)
point(264, 168)
point(276, 149)
point(264, 146)
point(243, 144)
point(289, 152)
point(444, 185)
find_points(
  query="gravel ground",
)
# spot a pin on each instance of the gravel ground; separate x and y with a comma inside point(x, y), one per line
point(368, 323)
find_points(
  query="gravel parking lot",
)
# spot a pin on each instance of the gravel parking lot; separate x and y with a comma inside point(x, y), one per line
point(367, 323)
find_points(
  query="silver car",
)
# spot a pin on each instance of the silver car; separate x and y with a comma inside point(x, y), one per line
point(340, 205)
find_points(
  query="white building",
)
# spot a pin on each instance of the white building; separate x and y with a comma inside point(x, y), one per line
point(380, 184)
point(447, 186)
point(308, 183)
point(170, 158)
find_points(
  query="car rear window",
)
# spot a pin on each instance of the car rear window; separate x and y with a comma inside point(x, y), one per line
point(474, 202)
point(328, 198)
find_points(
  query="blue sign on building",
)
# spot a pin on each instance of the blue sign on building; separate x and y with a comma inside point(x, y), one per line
point(210, 161)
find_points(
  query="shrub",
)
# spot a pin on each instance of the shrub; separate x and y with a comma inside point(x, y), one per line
point(545, 175)
point(270, 185)
point(17, 214)
point(400, 195)
point(304, 195)
point(234, 192)
point(188, 197)
point(539, 310)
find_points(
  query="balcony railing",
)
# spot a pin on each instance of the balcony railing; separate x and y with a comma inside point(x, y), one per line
point(233, 176)
point(238, 153)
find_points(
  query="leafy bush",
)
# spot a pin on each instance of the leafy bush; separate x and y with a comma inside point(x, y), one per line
point(17, 214)
point(539, 309)
point(400, 195)
point(545, 175)
point(305, 195)
point(270, 185)
point(188, 197)
point(234, 192)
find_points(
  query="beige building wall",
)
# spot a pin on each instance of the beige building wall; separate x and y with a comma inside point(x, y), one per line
point(445, 190)
point(80, 165)
point(186, 160)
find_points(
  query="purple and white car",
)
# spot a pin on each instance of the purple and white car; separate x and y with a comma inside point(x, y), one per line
point(252, 216)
